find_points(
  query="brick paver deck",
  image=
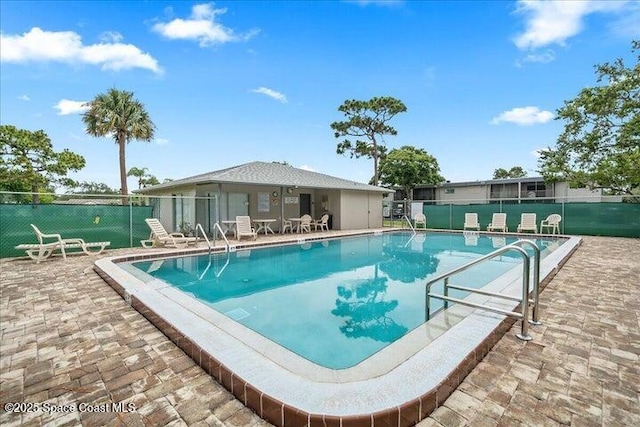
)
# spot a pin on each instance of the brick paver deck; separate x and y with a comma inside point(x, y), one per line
point(67, 338)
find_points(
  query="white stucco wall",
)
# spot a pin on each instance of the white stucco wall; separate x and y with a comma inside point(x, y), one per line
point(360, 210)
point(464, 195)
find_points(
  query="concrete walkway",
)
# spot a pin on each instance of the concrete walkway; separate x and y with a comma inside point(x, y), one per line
point(66, 338)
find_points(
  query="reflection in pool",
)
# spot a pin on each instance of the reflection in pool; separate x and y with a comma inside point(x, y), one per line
point(334, 302)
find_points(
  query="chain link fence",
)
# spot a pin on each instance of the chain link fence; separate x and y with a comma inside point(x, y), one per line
point(94, 218)
point(614, 216)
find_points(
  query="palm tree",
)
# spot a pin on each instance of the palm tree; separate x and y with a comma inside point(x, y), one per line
point(117, 113)
point(139, 173)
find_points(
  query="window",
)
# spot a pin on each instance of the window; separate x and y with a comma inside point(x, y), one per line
point(449, 190)
point(424, 194)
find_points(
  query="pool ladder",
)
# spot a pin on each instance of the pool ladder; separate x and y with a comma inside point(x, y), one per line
point(406, 218)
point(211, 246)
point(525, 302)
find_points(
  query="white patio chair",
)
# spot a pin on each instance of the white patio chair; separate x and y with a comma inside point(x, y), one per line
point(305, 224)
point(41, 250)
point(420, 218)
point(471, 221)
point(243, 227)
point(498, 222)
point(287, 225)
point(323, 223)
point(160, 237)
point(528, 223)
point(551, 223)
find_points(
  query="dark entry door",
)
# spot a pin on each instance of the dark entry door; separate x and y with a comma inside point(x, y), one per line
point(305, 204)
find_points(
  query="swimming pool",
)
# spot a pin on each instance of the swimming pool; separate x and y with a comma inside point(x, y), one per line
point(400, 384)
point(356, 294)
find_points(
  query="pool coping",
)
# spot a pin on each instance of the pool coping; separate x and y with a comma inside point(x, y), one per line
point(404, 395)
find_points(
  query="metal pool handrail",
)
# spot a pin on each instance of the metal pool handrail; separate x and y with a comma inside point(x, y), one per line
point(199, 227)
point(524, 301)
point(409, 222)
point(217, 226)
point(535, 312)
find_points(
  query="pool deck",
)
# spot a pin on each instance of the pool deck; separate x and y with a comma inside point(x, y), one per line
point(66, 337)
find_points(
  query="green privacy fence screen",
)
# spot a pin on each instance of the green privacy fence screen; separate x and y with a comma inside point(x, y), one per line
point(591, 219)
point(123, 226)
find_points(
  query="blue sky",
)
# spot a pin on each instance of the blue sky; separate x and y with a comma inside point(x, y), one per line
point(232, 82)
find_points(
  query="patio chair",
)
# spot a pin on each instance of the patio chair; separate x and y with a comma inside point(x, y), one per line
point(287, 225)
point(305, 224)
point(471, 221)
point(551, 223)
point(498, 222)
point(528, 223)
point(159, 237)
point(41, 250)
point(420, 218)
point(323, 223)
point(243, 227)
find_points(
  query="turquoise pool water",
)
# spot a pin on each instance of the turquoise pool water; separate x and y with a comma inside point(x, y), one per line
point(334, 302)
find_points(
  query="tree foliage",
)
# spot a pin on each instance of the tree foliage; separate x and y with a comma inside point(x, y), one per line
point(118, 114)
point(29, 163)
point(145, 179)
point(514, 172)
point(366, 125)
point(409, 166)
point(90, 187)
point(600, 144)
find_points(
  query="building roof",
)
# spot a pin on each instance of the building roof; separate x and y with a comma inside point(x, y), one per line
point(483, 182)
point(264, 173)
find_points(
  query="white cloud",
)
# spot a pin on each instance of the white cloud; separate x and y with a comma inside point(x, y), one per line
point(271, 93)
point(628, 23)
point(524, 116)
point(111, 37)
point(307, 168)
point(202, 27)
point(537, 153)
point(24, 98)
point(66, 46)
point(542, 58)
point(553, 22)
point(67, 106)
point(161, 141)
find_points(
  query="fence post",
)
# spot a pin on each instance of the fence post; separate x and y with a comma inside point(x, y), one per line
point(450, 216)
point(130, 223)
point(564, 220)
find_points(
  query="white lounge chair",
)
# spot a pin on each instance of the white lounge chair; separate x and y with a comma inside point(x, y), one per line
point(498, 222)
point(528, 223)
point(551, 223)
point(244, 229)
point(323, 223)
point(41, 250)
point(471, 222)
point(420, 218)
point(305, 224)
point(161, 238)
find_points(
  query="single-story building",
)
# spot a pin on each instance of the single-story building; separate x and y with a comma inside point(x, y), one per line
point(265, 190)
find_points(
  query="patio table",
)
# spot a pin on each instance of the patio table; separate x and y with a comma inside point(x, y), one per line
point(264, 224)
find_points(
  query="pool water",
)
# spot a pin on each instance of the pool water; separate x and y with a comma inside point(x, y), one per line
point(335, 302)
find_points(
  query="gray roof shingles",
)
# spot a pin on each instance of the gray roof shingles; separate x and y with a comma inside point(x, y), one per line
point(264, 173)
